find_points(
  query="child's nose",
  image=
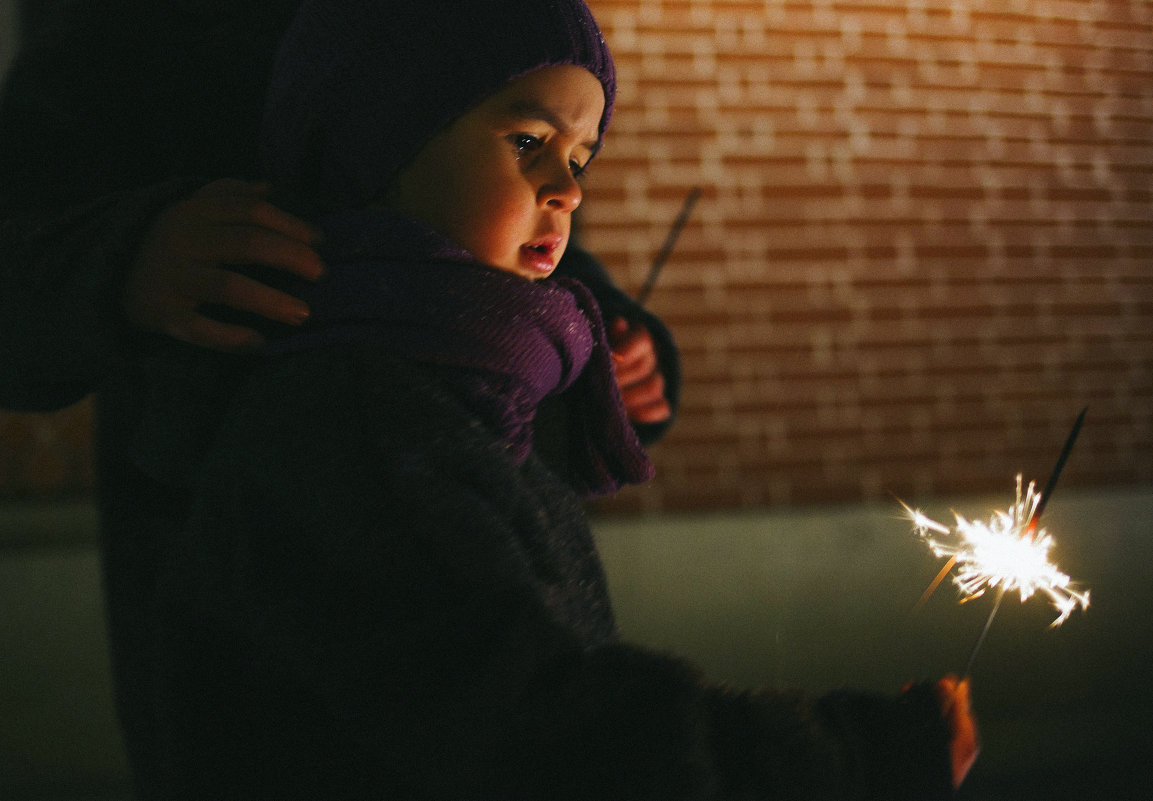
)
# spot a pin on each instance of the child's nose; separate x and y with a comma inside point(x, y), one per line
point(560, 191)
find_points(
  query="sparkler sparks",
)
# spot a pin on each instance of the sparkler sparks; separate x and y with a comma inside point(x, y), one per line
point(1009, 553)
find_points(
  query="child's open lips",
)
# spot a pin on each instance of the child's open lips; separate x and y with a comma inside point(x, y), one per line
point(539, 255)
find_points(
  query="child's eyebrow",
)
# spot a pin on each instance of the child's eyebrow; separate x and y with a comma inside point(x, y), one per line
point(530, 110)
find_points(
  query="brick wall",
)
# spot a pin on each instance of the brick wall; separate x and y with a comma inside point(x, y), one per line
point(925, 241)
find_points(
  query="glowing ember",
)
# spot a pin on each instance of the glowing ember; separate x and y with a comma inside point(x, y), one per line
point(1008, 553)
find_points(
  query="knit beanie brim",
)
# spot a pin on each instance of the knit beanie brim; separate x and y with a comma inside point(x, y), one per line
point(359, 86)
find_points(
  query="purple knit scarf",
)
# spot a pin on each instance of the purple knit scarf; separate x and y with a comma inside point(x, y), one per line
point(513, 342)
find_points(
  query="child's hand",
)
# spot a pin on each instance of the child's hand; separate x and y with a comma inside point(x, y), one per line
point(964, 743)
point(638, 373)
point(180, 265)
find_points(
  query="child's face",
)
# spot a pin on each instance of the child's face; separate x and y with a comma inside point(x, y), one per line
point(501, 180)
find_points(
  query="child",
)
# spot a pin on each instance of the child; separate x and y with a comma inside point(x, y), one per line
point(381, 591)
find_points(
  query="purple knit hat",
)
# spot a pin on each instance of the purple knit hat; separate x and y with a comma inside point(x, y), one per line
point(359, 86)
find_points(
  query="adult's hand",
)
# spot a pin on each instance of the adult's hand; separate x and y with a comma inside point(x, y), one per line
point(181, 265)
point(638, 373)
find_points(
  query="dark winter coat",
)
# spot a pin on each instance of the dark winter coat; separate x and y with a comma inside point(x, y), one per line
point(371, 596)
point(371, 600)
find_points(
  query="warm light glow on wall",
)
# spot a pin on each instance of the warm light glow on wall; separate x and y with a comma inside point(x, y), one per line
point(923, 243)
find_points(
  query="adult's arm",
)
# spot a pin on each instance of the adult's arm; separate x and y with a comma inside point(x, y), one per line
point(98, 117)
point(61, 278)
point(79, 288)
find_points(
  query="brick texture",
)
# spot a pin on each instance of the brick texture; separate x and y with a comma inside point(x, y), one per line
point(925, 242)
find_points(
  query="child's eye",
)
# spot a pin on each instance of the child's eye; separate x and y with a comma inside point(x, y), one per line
point(525, 143)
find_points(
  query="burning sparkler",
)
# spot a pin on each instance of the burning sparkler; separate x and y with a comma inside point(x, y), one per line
point(1010, 552)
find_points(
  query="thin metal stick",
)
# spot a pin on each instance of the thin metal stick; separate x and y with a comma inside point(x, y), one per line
point(667, 248)
point(936, 582)
point(984, 632)
point(1052, 483)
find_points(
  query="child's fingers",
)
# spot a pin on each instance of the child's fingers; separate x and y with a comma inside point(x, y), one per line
point(634, 358)
point(618, 329)
point(644, 393)
point(656, 412)
point(964, 742)
point(946, 690)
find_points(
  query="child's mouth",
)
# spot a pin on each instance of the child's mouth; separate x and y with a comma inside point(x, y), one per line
point(538, 256)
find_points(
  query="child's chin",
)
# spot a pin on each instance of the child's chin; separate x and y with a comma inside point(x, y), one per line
point(519, 272)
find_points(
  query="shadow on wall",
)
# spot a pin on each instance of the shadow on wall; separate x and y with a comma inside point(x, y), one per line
point(814, 599)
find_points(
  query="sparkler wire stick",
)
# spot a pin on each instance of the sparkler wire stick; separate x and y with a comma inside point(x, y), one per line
point(1052, 483)
point(984, 632)
point(1030, 527)
point(936, 582)
point(667, 247)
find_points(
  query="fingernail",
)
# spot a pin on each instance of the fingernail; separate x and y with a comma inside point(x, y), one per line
point(300, 314)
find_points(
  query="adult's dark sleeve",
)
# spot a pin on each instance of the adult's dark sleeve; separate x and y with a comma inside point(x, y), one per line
point(61, 279)
point(580, 264)
point(101, 116)
point(375, 552)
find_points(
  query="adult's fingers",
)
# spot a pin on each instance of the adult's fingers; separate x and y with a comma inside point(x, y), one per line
point(227, 288)
point(248, 205)
point(244, 225)
point(252, 244)
point(196, 329)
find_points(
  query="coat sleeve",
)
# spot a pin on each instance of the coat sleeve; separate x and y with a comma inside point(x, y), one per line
point(101, 115)
point(61, 276)
point(378, 551)
point(74, 202)
point(581, 265)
